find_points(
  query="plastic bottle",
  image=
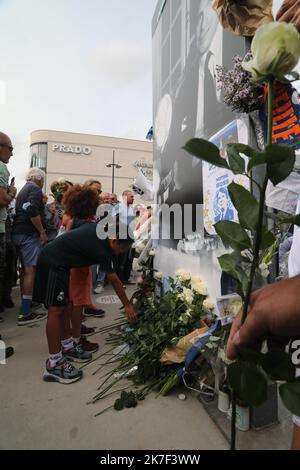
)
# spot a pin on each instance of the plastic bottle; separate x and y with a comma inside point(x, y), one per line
point(223, 397)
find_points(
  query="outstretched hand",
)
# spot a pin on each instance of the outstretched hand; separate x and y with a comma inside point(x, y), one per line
point(131, 313)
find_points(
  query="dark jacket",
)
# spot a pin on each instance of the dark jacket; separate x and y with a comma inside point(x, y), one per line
point(29, 204)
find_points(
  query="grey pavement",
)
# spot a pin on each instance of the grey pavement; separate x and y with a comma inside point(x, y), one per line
point(42, 415)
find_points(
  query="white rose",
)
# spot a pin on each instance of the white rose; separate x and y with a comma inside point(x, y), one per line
point(158, 276)
point(209, 304)
point(140, 247)
point(275, 50)
point(197, 280)
point(182, 275)
point(264, 270)
point(151, 253)
point(200, 288)
point(188, 295)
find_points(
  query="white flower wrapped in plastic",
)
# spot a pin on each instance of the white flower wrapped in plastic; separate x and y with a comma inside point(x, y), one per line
point(264, 270)
point(275, 50)
point(140, 247)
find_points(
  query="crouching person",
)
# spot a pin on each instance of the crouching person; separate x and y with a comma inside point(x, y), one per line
point(77, 248)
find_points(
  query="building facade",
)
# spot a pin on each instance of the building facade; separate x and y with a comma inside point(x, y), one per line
point(79, 157)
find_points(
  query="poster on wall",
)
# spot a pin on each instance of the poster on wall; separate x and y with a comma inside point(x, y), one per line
point(217, 202)
point(188, 44)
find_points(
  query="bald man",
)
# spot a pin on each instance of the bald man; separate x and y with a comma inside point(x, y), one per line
point(7, 194)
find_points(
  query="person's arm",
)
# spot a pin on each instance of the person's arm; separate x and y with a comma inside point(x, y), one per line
point(37, 222)
point(120, 291)
point(7, 196)
point(273, 310)
point(32, 209)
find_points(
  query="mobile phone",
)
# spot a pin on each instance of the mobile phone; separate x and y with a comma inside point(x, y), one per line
point(12, 182)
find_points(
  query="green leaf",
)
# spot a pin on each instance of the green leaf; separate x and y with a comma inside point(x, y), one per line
point(279, 219)
point(245, 149)
point(230, 265)
point(248, 382)
point(258, 159)
point(293, 219)
point(206, 151)
point(280, 162)
point(245, 204)
point(233, 234)
point(268, 239)
point(236, 162)
point(290, 395)
point(278, 365)
point(249, 355)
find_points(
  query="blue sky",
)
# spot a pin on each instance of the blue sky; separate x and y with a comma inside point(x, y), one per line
point(74, 66)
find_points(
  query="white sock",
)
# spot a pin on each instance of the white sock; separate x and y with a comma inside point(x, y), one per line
point(67, 343)
point(55, 358)
point(77, 340)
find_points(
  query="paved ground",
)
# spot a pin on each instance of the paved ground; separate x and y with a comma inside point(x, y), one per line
point(40, 415)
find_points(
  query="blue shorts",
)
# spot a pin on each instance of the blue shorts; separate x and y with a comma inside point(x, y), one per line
point(28, 248)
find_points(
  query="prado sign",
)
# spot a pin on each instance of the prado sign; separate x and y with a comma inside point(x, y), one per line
point(77, 149)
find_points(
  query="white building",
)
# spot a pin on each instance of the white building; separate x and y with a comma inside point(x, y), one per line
point(79, 157)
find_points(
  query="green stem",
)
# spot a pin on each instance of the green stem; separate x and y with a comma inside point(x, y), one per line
point(258, 233)
point(257, 243)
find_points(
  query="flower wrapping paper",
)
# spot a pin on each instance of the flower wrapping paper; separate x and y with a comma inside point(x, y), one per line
point(245, 16)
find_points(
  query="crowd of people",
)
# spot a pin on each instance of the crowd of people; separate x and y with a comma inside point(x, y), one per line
point(54, 252)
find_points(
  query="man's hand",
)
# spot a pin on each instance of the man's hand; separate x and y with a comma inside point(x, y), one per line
point(130, 312)
point(43, 237)
point(12, 190)
point(290, 13)
point(273, 310)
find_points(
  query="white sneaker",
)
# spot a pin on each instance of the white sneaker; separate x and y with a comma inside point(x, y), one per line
point(98, 289)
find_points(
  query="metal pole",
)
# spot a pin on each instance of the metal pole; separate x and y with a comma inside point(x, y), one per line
point(113, 173)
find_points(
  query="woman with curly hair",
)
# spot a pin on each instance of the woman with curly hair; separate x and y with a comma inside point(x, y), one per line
point(79, 203)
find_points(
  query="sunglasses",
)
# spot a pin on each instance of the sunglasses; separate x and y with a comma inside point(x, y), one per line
point(7, 146)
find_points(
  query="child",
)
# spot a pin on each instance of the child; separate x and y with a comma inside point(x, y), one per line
point(80, 247)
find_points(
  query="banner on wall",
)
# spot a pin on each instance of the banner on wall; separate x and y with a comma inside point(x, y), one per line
point(217, 203)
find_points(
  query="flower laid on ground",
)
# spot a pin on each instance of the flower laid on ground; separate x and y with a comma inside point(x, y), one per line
point(239, 92)
point(163, 322)
point(275, 50)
